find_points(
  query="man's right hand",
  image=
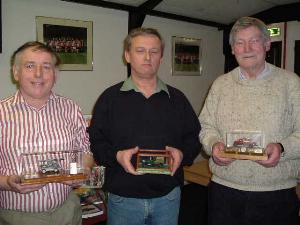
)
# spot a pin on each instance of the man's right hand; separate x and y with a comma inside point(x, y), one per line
point(221, 161)
point(14, 184)
point(124, 158)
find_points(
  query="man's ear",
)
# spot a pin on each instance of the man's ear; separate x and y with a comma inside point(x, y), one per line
point(15, 72)
point(127, 56)
point(160, 61)
point(268, 45)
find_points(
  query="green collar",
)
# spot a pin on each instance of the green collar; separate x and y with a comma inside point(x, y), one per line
point(130, 85)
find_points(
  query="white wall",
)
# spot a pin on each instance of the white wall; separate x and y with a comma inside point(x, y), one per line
point(195, 87)
point(109, 30)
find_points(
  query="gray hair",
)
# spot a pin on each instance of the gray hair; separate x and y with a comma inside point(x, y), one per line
point(245, 22)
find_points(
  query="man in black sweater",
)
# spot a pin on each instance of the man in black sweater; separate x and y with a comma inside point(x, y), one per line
point(143, 113)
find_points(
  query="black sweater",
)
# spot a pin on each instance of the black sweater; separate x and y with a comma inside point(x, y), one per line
point(126, 119)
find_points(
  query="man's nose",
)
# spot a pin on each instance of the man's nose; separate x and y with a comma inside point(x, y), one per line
point(247, 47)
point(147, 55)
point(39, 71)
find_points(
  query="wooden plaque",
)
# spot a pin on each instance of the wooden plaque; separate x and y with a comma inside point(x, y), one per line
point(45, 179)
point(243, 155)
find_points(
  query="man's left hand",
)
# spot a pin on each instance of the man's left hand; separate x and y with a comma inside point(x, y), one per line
point(176, 156)
point(273, 151)
point(14, 184)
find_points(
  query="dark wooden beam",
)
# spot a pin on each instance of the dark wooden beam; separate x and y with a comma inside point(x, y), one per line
point(281, 13)
point(137, 16)
point(149, 5)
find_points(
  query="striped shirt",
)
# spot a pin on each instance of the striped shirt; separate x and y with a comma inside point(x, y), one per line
point(57, 126)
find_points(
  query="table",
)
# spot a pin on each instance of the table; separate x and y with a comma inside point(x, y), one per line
point(199, 173)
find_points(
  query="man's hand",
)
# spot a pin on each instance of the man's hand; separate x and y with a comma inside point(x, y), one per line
point(221, 161)
point(124, 158)
point(74, 183)
point(14, 184)
point(176, 156)
point(273, 151)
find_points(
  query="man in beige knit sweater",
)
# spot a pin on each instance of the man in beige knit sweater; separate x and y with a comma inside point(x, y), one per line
point(255, 96)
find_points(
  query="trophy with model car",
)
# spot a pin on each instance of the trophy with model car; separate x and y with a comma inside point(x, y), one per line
point(154, 161)
point(53, 166)
point(245, 145)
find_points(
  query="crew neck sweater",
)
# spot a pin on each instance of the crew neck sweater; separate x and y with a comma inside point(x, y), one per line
point(270, 105)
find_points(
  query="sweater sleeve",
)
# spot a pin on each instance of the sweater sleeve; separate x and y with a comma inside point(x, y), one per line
point(101, 145)
point(291, 142)
point(209, 133)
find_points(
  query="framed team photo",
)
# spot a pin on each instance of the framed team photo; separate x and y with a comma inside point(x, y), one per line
point(72, 40)
point(186, 56)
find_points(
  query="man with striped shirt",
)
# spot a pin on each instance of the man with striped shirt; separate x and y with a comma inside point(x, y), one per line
point(37, 120)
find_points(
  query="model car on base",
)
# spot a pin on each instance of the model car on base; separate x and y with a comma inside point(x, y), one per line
point(50, 166)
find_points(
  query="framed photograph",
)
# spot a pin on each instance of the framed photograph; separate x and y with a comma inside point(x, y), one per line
point(186, 56)
point(72, 40)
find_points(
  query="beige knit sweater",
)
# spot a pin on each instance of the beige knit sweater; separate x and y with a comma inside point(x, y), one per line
point(270, 105)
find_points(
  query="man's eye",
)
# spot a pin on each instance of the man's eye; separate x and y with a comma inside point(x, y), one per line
point(154, 51)
point(47, 67)
point(140, 50)
point(239, 43)
point(29, 65)
point(254, 41)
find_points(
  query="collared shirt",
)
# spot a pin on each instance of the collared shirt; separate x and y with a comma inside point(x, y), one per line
point(57, 127)
point(130, 85)
point(265, 73)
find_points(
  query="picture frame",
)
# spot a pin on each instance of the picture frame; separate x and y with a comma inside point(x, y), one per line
point(71, 39)
point(186, 56)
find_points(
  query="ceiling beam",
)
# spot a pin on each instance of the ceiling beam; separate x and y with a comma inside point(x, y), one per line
point(281, 13)
point(166, 15)
point(147, 6)
point(138, 15)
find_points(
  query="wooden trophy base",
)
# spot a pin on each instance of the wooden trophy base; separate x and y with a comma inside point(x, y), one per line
point(243, 155)
point(154, 171)
point(52, 178)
